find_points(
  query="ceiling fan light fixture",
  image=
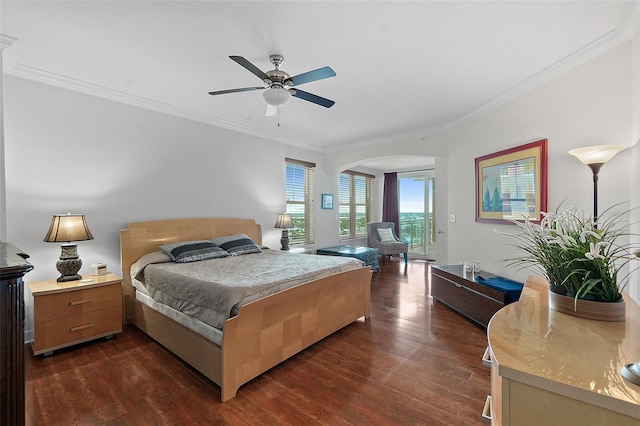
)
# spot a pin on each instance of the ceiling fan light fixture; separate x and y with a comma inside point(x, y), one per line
point(276, 96)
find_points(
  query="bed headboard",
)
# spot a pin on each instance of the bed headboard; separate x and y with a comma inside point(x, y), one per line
point(145, 237)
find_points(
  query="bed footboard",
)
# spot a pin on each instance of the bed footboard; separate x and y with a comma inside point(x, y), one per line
point(270, 330)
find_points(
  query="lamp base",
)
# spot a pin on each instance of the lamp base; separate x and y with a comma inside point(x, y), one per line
point(284, 241)
point(69, 264)
point(65, 278)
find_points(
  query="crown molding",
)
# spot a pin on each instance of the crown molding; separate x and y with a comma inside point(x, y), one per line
point(6, 41)
point(629, 18)
point(625, 29)
point(52, 79)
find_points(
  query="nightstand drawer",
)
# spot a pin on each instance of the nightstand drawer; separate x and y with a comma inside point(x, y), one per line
point(58, 333)
point(66, 304)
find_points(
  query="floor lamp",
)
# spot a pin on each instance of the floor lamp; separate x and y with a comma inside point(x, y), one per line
point(595, 157)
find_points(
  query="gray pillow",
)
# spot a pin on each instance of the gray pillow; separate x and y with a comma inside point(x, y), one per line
point(193, 251)
point(237, 245)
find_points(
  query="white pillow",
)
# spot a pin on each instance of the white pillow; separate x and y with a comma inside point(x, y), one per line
point(386, 235)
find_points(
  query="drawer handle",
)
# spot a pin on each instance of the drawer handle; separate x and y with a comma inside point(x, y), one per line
point(80, 302)
point(81, 327)
point(486, 358)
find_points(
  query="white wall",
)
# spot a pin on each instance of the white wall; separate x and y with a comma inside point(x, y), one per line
point(634, 290)
point(589, 105)
point(69, 152)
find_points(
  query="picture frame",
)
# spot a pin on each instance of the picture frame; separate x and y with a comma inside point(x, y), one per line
point(327, 201)
point(512, 184)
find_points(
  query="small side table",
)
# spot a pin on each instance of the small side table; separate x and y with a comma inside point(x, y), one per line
point(72, 312)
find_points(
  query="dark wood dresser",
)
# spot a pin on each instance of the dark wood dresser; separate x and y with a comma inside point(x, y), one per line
point(458, 290)
point(13, 266)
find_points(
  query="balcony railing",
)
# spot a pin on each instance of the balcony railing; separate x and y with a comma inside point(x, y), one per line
point(412, 232)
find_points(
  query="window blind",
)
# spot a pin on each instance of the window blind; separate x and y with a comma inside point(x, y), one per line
point(300, 198)
point(356, 203)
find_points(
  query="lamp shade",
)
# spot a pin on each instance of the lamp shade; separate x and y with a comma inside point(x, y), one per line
point(276, 96)
point(284, 221)
point(596, 154)
point(67, 228)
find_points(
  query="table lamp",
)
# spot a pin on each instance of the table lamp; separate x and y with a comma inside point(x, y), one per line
point(285, 223)
point(66, 229)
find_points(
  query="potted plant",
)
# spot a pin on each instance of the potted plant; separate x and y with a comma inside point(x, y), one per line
point(581, 257)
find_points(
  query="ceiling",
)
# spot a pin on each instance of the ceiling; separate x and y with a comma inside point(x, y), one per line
point(404, 69)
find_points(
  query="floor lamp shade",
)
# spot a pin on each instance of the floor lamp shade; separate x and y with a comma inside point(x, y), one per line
point(595, 157)
point(66, 229)
point(597, 154)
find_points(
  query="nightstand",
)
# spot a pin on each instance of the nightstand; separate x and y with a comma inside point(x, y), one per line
point(72, 312)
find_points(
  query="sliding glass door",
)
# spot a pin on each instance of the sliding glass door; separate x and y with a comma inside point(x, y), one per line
point(416, 193)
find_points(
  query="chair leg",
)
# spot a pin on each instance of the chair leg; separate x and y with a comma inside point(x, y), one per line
point(406, 257)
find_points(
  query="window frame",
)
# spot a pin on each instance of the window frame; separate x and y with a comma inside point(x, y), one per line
point(308, 205)
point(352, 203)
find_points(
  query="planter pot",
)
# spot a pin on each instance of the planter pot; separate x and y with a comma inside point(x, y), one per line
point(600, 311)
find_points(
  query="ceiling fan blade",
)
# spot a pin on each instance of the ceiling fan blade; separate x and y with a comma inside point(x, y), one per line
point(319, 74)
point(244, 89)
point(248, 65)
point(270, 110)
point(312, 98)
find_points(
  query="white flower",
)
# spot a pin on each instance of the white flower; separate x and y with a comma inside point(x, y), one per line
point(559, 241)
point(588, 233)
point(594, 251)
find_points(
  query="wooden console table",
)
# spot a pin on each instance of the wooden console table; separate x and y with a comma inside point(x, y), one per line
point(549, 368)
point(13, 266)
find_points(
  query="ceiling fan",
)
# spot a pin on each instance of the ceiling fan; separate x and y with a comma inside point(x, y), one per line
point(280, 86)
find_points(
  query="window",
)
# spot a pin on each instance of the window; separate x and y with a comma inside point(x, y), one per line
point(300, 200)
point(356, 203)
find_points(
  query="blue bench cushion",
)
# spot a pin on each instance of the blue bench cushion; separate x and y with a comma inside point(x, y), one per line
point(505, 285)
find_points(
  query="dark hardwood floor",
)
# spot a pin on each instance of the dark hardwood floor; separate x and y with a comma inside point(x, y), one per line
point(413, 362)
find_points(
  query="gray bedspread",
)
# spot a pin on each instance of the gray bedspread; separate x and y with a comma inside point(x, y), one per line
point(221, 284)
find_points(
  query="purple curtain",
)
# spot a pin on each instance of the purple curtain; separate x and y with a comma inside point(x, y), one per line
point(390, 210)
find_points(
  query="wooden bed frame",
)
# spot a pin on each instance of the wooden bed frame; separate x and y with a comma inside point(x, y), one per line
point(265, 332)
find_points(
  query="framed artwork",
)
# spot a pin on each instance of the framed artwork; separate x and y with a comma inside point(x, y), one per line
point(327, 201)
point(512, 184)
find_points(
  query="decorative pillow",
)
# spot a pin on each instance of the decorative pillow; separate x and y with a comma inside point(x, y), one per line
point(193, 251)
point(237, 245)
point(386, 235)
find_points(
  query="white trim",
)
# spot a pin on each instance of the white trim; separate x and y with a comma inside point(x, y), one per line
point(574, 60)
point(6, 41)
point(629, 18)
point(57, 80)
